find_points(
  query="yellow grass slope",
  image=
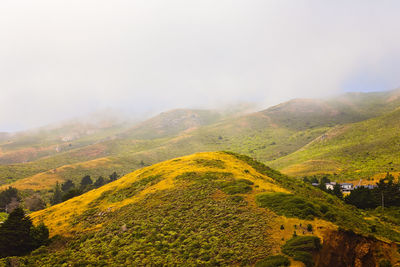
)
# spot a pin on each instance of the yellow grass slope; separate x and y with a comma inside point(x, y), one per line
point(47, 179)
point(58, 217)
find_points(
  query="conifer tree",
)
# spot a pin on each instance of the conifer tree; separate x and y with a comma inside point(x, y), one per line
point(99, 182)
point(86, 180)
point(113, 176)
point(57, 196)
point(67, 185)
point(18, 236)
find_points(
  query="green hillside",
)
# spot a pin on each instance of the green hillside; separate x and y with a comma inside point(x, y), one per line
point(203, 209)
point(269, 136)
point(353, 150)
point(172, 123)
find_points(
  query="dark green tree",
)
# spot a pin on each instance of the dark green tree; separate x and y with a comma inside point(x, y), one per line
point(362, 198)
point(72, 193)
point(99, 182)
point(322, 186)
point(337, 191)
point(40, 235)
point(325, 180)
point(387, 192)
point(57, 196)
point(113, 177)
point(65, 187)
point(7, 196)
point(86, 180)
point(18, 236)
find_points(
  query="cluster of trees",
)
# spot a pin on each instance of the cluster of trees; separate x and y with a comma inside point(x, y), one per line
point(385, 194)
point(69, 190)
point(10, 199)
point(18, 236)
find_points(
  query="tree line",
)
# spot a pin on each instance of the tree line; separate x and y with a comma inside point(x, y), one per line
point(385, 194)
point(69, 189)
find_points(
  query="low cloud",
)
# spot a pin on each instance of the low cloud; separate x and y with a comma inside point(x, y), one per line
point(60, 59)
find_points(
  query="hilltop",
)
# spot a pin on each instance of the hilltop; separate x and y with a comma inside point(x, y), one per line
point(206, 208)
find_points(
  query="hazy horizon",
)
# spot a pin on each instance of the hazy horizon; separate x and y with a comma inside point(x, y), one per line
point(64, 59)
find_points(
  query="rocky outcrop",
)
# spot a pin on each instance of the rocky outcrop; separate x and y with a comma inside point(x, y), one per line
point(345, 248)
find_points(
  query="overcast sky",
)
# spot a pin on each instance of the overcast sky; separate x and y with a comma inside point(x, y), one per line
point(60, 59)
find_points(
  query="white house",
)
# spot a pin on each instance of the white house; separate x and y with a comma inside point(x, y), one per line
point(346, 187)
point(330, 186)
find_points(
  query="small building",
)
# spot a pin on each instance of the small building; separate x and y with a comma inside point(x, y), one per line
point(346, 187)
point(330, 186)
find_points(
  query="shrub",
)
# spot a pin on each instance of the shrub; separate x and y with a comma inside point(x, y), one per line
point(301, 248)
point(273, 261)
point(216, 163)
point(304, 257)
point(302, 243)
point(239, 186)
point(384, 263)
point(288, 205)
point(237, 199)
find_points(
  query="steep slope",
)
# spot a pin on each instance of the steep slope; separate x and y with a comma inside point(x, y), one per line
point(207, 208)
point(353, 150)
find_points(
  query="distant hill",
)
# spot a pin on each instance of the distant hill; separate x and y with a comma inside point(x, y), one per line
point(172, 123)
point(206, 208)
point(30, 145)
point(357, 150)
point(270, 135)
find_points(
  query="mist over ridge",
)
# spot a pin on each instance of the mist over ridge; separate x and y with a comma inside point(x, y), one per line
point(61, 60)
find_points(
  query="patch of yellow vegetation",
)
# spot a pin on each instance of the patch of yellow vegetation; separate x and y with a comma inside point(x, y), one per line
point(58, 218)
point(381, 175)
point(374, 179)
point(44, 180)
point(48, 179)
point(312, 167)
point(319, 228)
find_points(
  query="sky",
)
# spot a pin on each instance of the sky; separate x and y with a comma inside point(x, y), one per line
point(62, 59)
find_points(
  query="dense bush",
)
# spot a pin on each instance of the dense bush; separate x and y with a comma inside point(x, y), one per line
point(274, 261)
point(301, 248)
point(288, 205)
point(239, 186)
